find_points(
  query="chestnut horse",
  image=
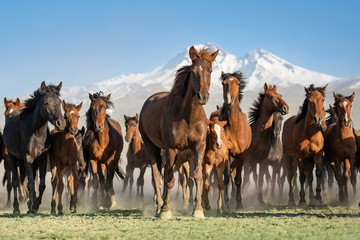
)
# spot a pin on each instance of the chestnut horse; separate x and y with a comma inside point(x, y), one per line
point(261, 119)
point(175, 121)
point(303, 143)
point(105, 145)
point(237, 129)
point(136, 157)
point(216, 155)
point(10, 107)
point(340, 145)
point(63, 156)
point(27, 138)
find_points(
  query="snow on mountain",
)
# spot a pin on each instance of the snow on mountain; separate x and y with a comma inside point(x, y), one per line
point(129, 91)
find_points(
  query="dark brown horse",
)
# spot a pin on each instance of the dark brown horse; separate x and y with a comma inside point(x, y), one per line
point(340, 145)
point(261, 119)
point(105, 145)
point(303, 143)
point(63, 155)
point(216, 155)
point(237, 129)
point(10, 107)
point(136, 157)
point(175, 121)
point(27, 138)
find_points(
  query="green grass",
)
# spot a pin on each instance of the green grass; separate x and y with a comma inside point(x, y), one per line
point(275, 223)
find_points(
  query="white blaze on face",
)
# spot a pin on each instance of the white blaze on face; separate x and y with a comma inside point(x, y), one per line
point(218, 130)
point(11, 110)
point(228, 97)
point(200, 68)
point(346, 116)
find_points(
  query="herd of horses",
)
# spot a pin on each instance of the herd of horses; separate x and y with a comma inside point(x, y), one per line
point(172, 132)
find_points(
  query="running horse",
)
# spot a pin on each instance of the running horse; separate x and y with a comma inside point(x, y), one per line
point(27, 138)
point(216, 155)
point(261, 120)
point(340, 145)
point(237, 129)
point(303, 143)
point(105, 144)
point(63, 156)
point(176, 121)
point(136, 156)
point(10, 107)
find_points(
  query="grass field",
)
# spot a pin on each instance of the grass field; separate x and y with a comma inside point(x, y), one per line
point(273, 223)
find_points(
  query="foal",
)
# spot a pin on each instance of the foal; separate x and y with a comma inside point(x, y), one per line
point(216, 154)
point(63, 158)
point(135, 155)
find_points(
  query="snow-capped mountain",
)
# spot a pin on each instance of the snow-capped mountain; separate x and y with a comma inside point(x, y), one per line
point(129, 91)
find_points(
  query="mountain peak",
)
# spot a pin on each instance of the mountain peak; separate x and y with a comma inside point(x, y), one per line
point(255, 54)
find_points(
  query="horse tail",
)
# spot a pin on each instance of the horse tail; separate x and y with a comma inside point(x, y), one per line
point(120, 173)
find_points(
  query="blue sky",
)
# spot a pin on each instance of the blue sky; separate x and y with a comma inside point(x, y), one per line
point(80, 42)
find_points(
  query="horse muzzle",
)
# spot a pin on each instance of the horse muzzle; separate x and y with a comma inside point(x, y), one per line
point(127, 138)
point(99, 127)
point(219, 146)
point(60, 125)
point(284, 109)
point(202, 97)
point(73, 130)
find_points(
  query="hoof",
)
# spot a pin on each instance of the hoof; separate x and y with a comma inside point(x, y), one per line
point(219, 212)
point(198, 213)
point(53, 212)
point(30, 214)
point(16, 213)
point(291, 204)
point(207, 208)
point(302, 202)
point(60, 213)
point(73, 210)
point(165, 214)
point(113, 202)
point(239, 206)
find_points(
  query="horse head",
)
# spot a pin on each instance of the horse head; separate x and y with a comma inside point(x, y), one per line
point(99, 104)
point(131, 124)
point(315, 99)
point(273, 100)
point(233, 85)
point(343, 107)
point(51, 105)
point(200, 74)
point(217, 133)
point(71, 116)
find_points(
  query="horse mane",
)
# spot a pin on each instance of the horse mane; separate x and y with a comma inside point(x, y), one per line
point(304, 107)
point(240, 77)
point(131, 119)
point(89, 121)
point(31, 102)
point(336, 104)
point(255, 110)
point(332, 114)
point(182, 75)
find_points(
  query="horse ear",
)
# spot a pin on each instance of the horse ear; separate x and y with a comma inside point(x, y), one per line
point(222, 73)
point(90, 97)
point(213, 55)
point(265, 87)
point(17, 101)
point(126, 117)
point(324, 89)
point(137, 117)
point(5, 101)
point(307, 91)
point(274, 88)
point(59, 87)
point(336, 97)
point(43, 87)
point(193, 54)
point(351, 97)
point(64, 106)
point(78, 107)
point(108, 97)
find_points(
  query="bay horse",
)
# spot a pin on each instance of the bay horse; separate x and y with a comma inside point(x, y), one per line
point(136, 156)
point(63, 156)
point(10, 107)
point(175, 121)
point(105, 145)
point(237, 130)
point(27, 138)
point(261, 119)
point(340, 145)
point(303, 143)
point(216, 155)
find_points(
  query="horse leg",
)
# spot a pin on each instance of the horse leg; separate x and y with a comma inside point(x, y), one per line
point(13, 166)
point(262, 173)
point(60, 189)
point(140, 181)
point(353, 176)
point(302, 179)
point(23, 181)
point(42, 161)
point(198, 211)
point(8, 179)
point(95, 181)
point(246, 178)
point(109, 190)
point(184, 186)
point(290, 168)
point(169, 181)
point(31, 185)
point(239, 161)
point(346, 178)
point(220, 177)
point(101, 174)
point(206, 169)
point(319, 162)
point(73, 185)
point(54, 181)
point(330, 174)
point(226, 183)
point(309, 175)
